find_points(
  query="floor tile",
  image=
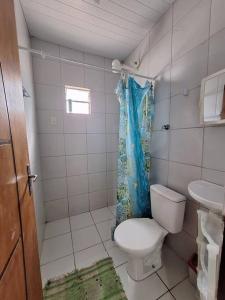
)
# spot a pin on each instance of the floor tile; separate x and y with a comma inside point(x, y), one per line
point(102, 214)
point(174, 269)
point(149, 289)
point(56, 247)
point(89, 256)
point(112, 209)
point(105, 229)
point(85, 238)
point(185, 291)
point(167, 296)
point(81, 221)
point(57, 268)
point(58, 227)
point(119, 257)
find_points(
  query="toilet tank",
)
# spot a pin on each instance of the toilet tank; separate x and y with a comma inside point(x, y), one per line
point(168, 207)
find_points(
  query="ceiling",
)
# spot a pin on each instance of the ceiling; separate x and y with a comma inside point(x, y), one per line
point(111, 28)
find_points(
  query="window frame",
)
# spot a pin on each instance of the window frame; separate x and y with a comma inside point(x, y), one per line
point(70, 101)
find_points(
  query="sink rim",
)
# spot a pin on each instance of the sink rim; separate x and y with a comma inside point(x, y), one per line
point(198, 191)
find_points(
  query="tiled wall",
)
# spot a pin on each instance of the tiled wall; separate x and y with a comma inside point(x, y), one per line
point(78, 152)
point(186, 45)
point(31, 122)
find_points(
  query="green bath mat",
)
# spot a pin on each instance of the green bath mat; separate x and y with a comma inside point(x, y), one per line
point(98, 282)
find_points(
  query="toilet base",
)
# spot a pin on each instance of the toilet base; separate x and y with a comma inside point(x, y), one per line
point(139, 268)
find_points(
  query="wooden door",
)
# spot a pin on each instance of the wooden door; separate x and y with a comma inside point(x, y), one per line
point(15, 137)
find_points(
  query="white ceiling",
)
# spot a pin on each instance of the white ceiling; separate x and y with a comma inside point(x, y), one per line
point(111, 28)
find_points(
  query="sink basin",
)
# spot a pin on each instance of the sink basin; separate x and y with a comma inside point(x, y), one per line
point(208, 194)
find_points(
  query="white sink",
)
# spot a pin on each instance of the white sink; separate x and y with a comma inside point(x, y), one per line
point(208, 194)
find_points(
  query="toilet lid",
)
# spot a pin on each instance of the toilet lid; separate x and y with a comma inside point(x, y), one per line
point(139, 236)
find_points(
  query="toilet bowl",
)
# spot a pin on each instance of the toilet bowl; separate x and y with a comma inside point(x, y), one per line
point(142, 238)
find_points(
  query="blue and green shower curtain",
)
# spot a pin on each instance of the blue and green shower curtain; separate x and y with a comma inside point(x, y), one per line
point(136, 111)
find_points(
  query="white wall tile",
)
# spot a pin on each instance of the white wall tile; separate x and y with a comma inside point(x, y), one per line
point(161, 114)
point(49, 97)
point(76, 165)
point(112, 123)
point(75, 144)
point(98, 199)
point(74, 123)
point(77, 185)
point(46, 71)
point(162, 85)
point(191, 30)
point(213, 176)
point(78, 204)
point(183, 7)
point(112, 141)
point(71, 54)
point(96, 123)
point(186, 146)
point(97, 181)
point(53, 167)
point(112, 161)
point(94, 79)
point(57, 209)
point(98, 102)
point(161, 28)
point(96, 163)
point(185, 110)
point(217, 16)
point(96, 143)
point(50, 121)
point(159, 171)
point(112, 103)
point(111, 196)
point(160, 55)
point(111, 179)
point(47, 47)
point(180, 175)
point(188, 71)
point(51, 144)
point(217, 52)
point(191, 218)
point(94, 60)
point(214, 148)
point(111, 81)
point(55, 188)
point(159, 145)
point(72, 75)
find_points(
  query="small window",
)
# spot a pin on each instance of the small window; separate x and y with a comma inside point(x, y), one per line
point(77, 100)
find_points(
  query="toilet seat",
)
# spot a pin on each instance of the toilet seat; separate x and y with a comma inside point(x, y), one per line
point(139, 236)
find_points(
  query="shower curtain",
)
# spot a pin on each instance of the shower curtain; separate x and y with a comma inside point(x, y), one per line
point(136, 111)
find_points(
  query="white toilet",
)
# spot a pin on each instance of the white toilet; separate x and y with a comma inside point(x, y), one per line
point(142, 238)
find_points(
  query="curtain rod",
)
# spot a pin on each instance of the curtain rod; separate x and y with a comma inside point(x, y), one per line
point(46, 55)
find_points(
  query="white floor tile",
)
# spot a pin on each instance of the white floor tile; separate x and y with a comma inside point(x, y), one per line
point(167, 296)
point(113, 209)
point(105, 229)
point(102, 214)
point(185, 291)
point(149, 289)
point(174, 269)
point(81, 221)
point(56, 228)
point(89, 256)
point(57, 268)
point(85, 238)
point(119, 257)
point(56, 247)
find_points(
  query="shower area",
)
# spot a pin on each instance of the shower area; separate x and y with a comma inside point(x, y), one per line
point(78, 117)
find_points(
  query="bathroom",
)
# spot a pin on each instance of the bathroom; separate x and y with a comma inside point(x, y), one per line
point(70, 70)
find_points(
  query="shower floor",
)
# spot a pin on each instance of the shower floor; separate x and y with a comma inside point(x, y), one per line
point(81, 240)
